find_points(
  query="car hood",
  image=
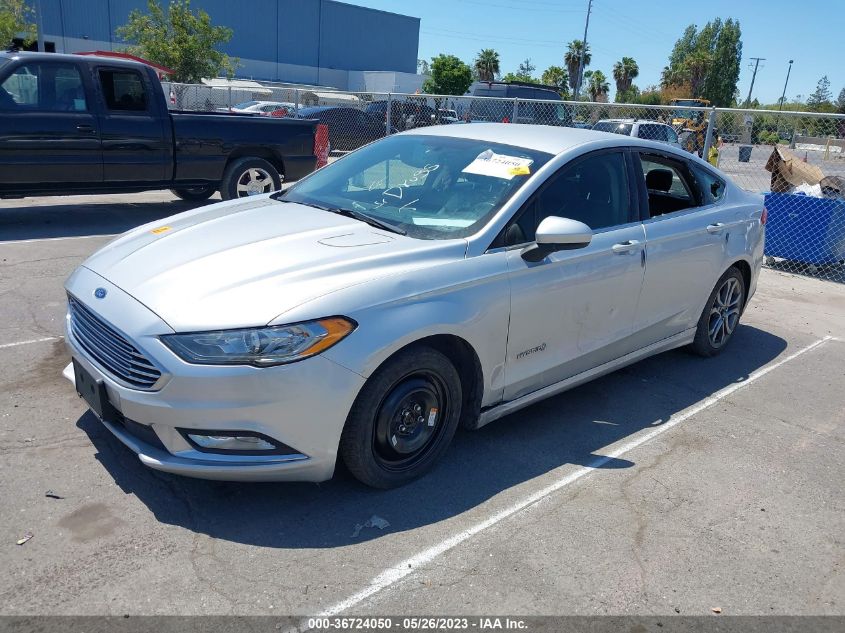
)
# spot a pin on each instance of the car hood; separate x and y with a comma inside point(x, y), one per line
point(247, 262)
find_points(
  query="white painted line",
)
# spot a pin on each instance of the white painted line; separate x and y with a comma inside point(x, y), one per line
point(35, 340)
point(394, 574)
point(55, 239)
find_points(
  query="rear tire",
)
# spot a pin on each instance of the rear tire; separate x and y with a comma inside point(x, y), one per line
point(194, 194)
point(403, 420)
point(721, 314)
point(248, 177)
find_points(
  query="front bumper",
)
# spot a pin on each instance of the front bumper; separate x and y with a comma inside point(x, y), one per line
point(302, 405)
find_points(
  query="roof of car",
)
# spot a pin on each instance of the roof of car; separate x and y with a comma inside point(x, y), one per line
point(544, 138)
point(54, 57)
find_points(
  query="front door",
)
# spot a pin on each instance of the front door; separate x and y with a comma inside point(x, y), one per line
point(574, 310)
point(48, 131)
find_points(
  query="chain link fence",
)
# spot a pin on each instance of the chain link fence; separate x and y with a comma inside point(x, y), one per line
point(795, 159)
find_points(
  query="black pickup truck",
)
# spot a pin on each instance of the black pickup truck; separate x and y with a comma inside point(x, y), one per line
point(80, 124)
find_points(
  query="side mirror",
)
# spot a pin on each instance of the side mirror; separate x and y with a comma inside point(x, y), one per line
point(557, 234)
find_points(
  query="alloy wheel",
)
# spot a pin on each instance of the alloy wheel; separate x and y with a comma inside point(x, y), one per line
point(254, 181)
point(724, 312)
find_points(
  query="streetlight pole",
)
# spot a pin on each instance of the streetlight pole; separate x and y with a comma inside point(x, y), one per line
point(785, 83)
point(583, 50)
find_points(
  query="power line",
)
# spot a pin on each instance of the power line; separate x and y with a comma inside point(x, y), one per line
point(756, 61)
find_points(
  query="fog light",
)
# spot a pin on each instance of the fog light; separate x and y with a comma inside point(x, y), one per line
point(235, 442)
point(232, 443)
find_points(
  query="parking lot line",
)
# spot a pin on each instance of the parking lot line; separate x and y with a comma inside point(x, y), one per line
point(35, 340)
point(398, 572)
point(55, 239)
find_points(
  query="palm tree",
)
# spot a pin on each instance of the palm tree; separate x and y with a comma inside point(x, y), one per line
point(487, 64)
point(572, 59)
point(624, 72)
point(598, 86)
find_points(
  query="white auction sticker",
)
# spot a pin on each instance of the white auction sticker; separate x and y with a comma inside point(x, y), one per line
point(432, 416)
point(489, 163)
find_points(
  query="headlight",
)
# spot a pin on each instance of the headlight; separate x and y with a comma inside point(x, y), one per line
point(262, 346)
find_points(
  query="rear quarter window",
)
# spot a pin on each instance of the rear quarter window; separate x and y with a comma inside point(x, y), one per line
point(711, 187)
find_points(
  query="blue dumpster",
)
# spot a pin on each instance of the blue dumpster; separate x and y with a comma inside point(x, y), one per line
point(805, 229)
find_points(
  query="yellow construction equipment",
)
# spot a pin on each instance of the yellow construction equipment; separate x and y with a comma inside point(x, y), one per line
point(691, 125)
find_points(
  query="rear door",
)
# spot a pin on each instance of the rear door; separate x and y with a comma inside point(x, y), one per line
point(48, 130)
point(687, 234)
point(137, 143)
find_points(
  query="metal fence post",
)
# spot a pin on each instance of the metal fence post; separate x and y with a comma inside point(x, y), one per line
point(515, 109)
point(296, 103)
point(387, 117)
point(229, 98)
point(708, 137)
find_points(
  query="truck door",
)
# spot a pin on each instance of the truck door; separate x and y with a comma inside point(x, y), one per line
point(137, 144)
point(48, 131)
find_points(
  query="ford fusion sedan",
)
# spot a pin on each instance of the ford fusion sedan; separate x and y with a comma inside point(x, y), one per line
point(437, 278)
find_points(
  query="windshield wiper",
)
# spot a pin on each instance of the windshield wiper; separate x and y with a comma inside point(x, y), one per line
point(355, 215)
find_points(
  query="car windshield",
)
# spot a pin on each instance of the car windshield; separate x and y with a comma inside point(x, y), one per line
point(432, 187)
point(245, 105)
point(614, 126)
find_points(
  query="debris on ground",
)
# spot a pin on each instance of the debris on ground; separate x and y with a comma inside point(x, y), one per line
point(716, 610)
point(52, 495)
point(25, 538)
point(373, 522)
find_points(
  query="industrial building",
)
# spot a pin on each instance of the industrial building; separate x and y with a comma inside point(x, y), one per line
point(318, 42)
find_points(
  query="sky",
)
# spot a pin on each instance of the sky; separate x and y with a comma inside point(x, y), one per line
point(806, 31)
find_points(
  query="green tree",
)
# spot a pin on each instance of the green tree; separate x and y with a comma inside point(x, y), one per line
point(526, 68)
point(486, 64)
point(523, 74)
point(624, 73)
point(449, 76)
point(16, 22)
point(422, 67)
point(630, 95)
point(558, 77)
point(821, 98)
point(707, 62)
point(181, 39)
point(840, 102)
point(572, 59)
point(597, 85)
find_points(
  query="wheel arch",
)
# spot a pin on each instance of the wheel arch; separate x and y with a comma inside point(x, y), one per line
point(256, 151)
point(745, 270)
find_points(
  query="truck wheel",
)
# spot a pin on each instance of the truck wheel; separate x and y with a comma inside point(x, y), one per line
point(194, 193)
point(249, 177)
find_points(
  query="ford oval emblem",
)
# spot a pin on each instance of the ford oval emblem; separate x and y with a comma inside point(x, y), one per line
point(100, 293)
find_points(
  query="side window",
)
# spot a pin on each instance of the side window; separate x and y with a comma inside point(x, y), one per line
point(653, 132)
point(593, 191)
point(44, 87)
point(669, 184)
point(671, 135)
point(711, 187)
point(123, 90)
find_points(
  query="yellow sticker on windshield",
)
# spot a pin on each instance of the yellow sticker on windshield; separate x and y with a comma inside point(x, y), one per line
point(160, 229)
point(522, 170)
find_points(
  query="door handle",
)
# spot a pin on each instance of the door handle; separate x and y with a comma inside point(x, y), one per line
point(625, 248)
point(89, 129)
point(718, 227)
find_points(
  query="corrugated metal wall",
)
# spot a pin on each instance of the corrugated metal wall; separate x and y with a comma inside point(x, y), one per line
point(275, 39)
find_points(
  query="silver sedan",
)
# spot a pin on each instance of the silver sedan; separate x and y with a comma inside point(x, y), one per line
point(437, 278)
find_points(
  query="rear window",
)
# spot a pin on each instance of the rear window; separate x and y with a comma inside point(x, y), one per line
point(612, 126)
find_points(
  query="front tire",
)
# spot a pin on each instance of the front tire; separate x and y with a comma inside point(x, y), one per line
point(403, 420)
point(721, 314)
point(249, 177)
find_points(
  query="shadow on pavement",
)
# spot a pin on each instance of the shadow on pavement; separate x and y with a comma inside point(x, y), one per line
point(85, 218)
point(571, 428)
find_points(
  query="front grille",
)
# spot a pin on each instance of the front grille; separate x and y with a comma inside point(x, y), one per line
point(110, 349)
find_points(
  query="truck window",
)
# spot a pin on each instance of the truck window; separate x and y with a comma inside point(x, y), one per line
point(123, 90)
point(44, 87)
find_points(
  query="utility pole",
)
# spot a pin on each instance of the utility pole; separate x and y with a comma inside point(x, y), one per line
point(783, 96)
point(756, 61)
point(583, 50)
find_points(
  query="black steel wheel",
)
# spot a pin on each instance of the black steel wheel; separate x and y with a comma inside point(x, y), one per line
point(403, 420)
